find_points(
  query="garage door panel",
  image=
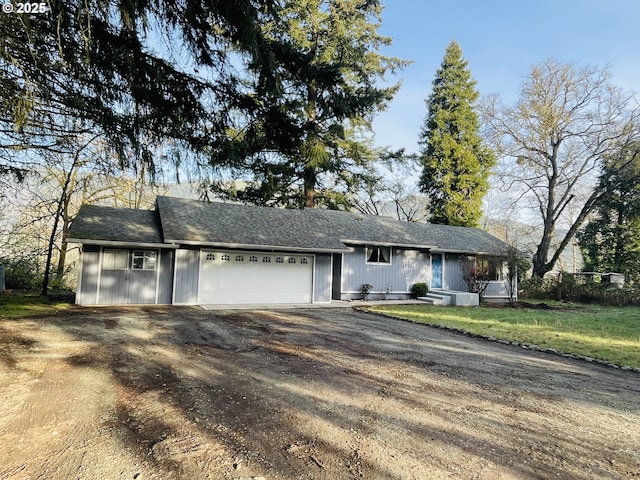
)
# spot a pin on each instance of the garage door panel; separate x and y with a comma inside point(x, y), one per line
point(241, 277)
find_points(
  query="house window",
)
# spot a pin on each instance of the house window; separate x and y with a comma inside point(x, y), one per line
point(115, 259)
point(292, 260)
point(239, 258)
point(488, 269)
point(225, 258)
point(379, 255)
point(279, 260)
point(211, 256)
point(144, 260)
point(266, 259)
point(253, 259)
point(304, 261)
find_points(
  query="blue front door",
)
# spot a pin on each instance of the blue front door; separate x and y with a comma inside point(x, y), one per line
point(436, 271)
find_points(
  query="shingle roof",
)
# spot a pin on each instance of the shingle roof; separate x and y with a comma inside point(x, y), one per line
point(185, 221)
point(108, 224)
point(195, 222)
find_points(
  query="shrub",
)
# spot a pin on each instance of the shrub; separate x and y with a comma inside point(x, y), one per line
point(22, 273)
point(419, 289)
point(365, 289)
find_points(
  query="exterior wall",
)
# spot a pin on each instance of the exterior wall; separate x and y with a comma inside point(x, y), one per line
point(187, 270)
point(496, 291)
point(118, 287)
point(165, 277)
point(453, 273)
point(322, 279)
point(336, 289)
point(87, 293)
point(406, 268)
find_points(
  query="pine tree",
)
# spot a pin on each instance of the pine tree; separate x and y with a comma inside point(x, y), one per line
point(333, 106)
point(610, 242)
point(456, 164)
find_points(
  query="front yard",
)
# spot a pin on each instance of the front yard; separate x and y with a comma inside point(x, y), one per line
point(610, 334)
point(318, 393)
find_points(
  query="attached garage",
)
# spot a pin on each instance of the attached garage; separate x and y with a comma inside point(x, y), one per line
point(240, 277)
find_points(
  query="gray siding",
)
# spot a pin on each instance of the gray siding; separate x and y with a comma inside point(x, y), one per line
point(165, 285)
point(453, 273)
point(88, 281)
point(187, 267)
point(407, 267)
point(336, 293)
point(322, 277)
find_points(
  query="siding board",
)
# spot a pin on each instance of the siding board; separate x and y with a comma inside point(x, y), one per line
point(322, 279)
point(406, 268)
point(187, 267)
point(165, 279)
point(88, 283)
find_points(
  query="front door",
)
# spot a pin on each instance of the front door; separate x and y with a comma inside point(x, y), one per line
point(436, 270)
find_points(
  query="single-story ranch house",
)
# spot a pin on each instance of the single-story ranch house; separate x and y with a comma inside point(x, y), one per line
point(188, 252)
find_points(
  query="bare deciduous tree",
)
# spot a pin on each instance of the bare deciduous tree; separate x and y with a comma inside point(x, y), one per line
point(552, 143)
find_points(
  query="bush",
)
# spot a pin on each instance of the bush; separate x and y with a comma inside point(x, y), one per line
point(365, 289)
point(419, 289)
point(22, 273)
point(578, 288)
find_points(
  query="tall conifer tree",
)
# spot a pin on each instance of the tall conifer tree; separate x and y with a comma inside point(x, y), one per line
point(456, 164)
point(333, 112)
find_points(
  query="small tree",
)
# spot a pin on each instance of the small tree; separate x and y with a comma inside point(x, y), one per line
point(475, 274)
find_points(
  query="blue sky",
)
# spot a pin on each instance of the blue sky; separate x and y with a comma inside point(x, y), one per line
point(501, 39)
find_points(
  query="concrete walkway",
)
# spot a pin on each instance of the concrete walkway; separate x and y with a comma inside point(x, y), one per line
point(333, 304)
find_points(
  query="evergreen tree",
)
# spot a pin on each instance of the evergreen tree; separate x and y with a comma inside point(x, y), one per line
point(139, 72)
point(333, 112)
point(456, 164)
point(610, 242)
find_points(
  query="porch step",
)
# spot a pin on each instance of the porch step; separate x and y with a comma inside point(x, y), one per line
point(451, 297)
point(436, 298)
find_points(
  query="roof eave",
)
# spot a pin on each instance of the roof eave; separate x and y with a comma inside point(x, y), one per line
point(254, 246)
point(119, 243)
point(467, 252)
point(388, 244)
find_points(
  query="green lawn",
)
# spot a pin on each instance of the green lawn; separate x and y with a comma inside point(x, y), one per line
point(606, 333)
point(17, 306)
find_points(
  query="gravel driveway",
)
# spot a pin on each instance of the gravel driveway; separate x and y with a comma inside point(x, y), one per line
point(138, 393)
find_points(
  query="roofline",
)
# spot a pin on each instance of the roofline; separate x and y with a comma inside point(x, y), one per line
point(258, 246)
point(468, 252)
point(118, 243)
point(388, 244)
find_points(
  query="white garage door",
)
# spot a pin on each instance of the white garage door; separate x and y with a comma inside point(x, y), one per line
point(228, 277)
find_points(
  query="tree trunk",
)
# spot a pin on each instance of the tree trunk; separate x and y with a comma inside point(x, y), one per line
point(309, 187)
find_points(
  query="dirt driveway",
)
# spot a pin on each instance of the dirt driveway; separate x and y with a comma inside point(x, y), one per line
point(299, 394)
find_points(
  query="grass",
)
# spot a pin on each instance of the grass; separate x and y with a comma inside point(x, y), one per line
point(18, 306)
point(611, 334)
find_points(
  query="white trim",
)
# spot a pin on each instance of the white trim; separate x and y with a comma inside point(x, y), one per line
point(158, 264)
point(382, 264)
point(117, 243)
point(99, 283)
point(173, 282)
point(258, 247)
point(80, 272)
point(313, 279)
point(388, 244)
